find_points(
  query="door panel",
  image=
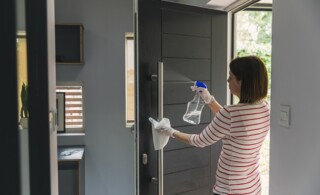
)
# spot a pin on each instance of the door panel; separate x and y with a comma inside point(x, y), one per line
point(177, 69)
point(188, 158)
point(179, 92)
point(178, 46)
point(186, 180)
point(181, 37)
point(186, 24)
point(188, 42)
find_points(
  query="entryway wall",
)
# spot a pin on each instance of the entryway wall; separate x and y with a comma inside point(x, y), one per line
point(109, 153)
point(294, 155)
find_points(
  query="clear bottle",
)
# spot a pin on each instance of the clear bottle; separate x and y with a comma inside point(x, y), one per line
point(194, 107)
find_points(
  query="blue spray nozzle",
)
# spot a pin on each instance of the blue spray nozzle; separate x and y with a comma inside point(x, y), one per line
point(200, 84)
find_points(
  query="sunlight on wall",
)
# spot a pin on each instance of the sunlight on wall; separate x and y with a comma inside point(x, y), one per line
point(22, 65)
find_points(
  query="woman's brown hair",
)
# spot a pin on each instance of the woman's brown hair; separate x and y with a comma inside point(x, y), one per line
point(252, 73)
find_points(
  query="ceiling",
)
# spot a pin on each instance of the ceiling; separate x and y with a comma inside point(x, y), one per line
point(222, 5)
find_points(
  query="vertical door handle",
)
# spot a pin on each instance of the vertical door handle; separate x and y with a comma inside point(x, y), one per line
point(160, 116)
point(159, 180)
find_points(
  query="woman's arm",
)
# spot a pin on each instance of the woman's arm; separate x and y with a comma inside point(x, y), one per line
point(214, 105)
point(216, 130)
point(183, 137)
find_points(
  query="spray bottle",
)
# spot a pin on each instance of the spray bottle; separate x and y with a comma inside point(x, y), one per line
point(195, 106)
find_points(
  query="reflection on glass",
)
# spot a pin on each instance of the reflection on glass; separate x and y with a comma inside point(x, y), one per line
point(22, 80)
point(129, 52)
point(23, 111)
point(22, 88)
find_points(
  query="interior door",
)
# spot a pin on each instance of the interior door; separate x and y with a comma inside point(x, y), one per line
point(193, 44)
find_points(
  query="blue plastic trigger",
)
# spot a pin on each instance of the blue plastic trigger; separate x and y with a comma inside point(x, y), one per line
point(200, 84)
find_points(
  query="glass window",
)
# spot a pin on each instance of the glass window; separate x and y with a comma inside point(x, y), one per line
point(129, 63)
point(73, 106)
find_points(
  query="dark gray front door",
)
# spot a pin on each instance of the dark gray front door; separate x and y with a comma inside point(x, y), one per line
point(192, 44)
point(148, 39)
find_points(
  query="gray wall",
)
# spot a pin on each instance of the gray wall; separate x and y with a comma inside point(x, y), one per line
point(109, 157)
point(295, 156)
point(21, 15)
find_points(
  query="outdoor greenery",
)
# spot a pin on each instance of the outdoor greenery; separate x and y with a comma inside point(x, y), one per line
point(254, 36)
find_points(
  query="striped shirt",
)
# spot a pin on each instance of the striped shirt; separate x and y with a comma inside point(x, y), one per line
point(242, 128)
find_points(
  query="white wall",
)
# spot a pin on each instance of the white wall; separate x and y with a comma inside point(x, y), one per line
point(109, 159)
point(295, 156)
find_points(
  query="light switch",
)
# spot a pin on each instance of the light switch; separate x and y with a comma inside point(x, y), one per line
point(284, 116)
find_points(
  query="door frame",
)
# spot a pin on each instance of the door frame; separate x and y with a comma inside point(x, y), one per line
point(37, 54)
point(9, 139)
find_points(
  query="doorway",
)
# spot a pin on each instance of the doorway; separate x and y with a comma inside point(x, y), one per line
point(164, 33)
point(253, 36)
point(192, 44)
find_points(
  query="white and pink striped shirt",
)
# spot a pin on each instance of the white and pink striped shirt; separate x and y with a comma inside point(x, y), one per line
point(242, 128)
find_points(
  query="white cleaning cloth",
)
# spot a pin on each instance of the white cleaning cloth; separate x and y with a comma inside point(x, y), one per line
point(160, 140)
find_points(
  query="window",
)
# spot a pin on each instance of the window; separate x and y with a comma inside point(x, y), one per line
point(129, 63)
point(73, 106)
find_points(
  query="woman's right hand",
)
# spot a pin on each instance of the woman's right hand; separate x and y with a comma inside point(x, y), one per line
point(204, 93)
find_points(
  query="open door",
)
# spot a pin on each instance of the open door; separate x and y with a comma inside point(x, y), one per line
point(193, 44)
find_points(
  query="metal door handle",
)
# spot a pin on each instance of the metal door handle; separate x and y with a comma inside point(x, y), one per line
point(144, 158)
point(154, 180)
point(159, 180)
point(159, 77)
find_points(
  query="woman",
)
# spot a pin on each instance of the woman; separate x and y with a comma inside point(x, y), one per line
point(241, 127)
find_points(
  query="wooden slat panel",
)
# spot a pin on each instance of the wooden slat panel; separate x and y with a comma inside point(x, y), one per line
point(74, 105)
point(177, 92)
point(174, 144)
point(185, 47)
point(176, 112)
point(73, 117)
point(186, 180)
point(74, 123)
point(186, 23)
point(176, 69)
point(188, 158)
point(73, 99)
point(74, 93)
point(73, 111)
